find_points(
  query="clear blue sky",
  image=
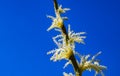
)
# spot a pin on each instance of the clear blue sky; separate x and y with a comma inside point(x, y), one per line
point(24, 40)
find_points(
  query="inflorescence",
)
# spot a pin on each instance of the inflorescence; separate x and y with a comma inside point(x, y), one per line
point(65, 50)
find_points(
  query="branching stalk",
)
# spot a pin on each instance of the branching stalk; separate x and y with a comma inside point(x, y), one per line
point(66, 44)
point(72, 57)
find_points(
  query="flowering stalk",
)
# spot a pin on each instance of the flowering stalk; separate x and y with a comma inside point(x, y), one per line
point(65, 34)
point(66, 45)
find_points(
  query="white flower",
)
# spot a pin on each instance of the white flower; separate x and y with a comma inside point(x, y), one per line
point(58, 20)
point(64, 51)
point(61, 53)
point(75, 37)
point(86, 64)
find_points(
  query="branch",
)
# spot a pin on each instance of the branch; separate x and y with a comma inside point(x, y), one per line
point(55, 4)
point(64, 32)
point(75, 65)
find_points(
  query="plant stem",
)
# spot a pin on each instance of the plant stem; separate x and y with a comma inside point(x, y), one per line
point(55, 4)
point(72, 57)
point(75, 65)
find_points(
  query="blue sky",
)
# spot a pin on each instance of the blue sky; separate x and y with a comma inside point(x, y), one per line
point(24, 40)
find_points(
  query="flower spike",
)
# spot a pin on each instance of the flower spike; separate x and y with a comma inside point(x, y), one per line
point(65, 42)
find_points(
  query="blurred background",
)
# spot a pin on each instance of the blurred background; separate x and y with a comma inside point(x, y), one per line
point(24, 40)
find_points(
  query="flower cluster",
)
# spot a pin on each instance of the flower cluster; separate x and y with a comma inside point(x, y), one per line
point(75, 37)
point(89, 64)
point(64, 51)
point(58, 20)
